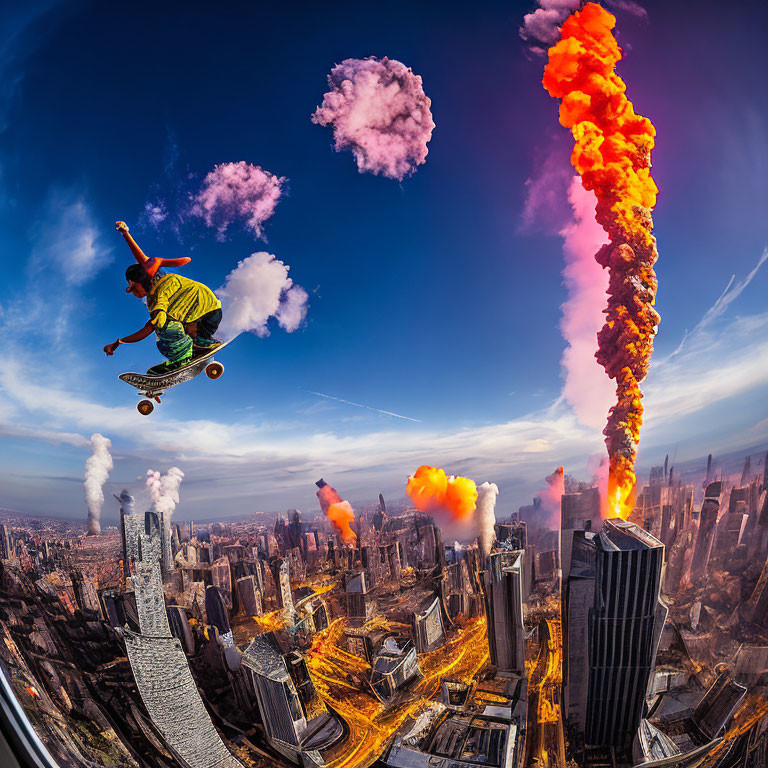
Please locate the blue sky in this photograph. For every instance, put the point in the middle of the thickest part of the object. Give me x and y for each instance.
(428, 298)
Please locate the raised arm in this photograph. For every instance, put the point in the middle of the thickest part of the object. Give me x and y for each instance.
(138, 254)
(150, 264)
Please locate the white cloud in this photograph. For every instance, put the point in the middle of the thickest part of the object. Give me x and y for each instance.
(67, 239)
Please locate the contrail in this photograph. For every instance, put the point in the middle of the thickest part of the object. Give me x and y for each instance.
(367, 407)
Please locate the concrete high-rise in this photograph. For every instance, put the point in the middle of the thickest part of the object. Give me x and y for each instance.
(707, 526)
(579, 512)
(504, 610)
(160, 666)
(612, 620)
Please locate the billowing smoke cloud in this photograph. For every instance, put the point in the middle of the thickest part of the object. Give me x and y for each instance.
(256, 290)
(587, 388)
(551, 497)
(338, 511)
(431, 490)
(612, 154)
(379, 111)
(486, 515)
(97, 469)
(164, 489)
(541, 28)
(237, 192)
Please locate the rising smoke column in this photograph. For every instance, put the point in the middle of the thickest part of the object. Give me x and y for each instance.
(431, 490)
(164, 489)
(551, 497)
(337, 510)
(97, 469)
(164, 492)
(378, 110)
(486, 516)
(612, 155)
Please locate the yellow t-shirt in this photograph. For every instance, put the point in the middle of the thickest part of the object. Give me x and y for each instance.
(174, 297)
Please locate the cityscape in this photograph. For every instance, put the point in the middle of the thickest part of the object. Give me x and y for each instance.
(312, 640)
(485, 483)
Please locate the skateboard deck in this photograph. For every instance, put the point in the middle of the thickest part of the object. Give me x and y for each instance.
(153, 386)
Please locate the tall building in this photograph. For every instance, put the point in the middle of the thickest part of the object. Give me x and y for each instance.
(707, 523)
(428, 628)
(504, 610)
(359, 606)
(160, 667)
(221, 576)
(281, 575)
(286, 726)
(612, 620)
(147, 580)
(249, 596)
(130, 526)
(5, 541)
(579, 512)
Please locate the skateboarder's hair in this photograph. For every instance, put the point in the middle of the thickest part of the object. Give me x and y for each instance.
(137, 274)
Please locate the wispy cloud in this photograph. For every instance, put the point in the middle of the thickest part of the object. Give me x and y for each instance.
(726, 298)
(367, 407)
(67, 239)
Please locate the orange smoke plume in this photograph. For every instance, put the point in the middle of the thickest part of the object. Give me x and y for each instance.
(342, 515)
(337, 510)
(431, 490)
(612, 154)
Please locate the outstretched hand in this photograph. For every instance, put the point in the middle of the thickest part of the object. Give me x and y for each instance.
(121, 226)
(110, 348)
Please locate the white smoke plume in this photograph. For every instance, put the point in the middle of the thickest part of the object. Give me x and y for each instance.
(257, 289)
(164, 489)
(97, 469)
(486, 516)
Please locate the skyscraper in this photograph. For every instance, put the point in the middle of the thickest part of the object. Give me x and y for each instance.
(579, 512)
(706, 533)
(504, 609)
(612, 620)
(130, 525)
(284, 718)
(160, 666)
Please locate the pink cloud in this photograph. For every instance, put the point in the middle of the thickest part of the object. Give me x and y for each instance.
(234, 192)
(541, 28)
(379, 111)
(588, 390)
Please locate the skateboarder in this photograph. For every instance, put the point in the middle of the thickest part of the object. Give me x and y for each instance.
(183, 314)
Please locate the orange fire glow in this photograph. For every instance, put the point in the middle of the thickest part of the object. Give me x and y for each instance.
(431, 490)
(338, 511)
(342, 515)
(612, 155)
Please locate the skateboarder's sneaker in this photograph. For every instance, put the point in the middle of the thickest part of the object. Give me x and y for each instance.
(204, 346)
(168, 366)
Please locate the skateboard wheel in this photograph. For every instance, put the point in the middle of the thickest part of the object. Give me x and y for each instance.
(145, 407)
(214, 370)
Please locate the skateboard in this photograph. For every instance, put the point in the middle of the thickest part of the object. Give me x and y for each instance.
(152, 387)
